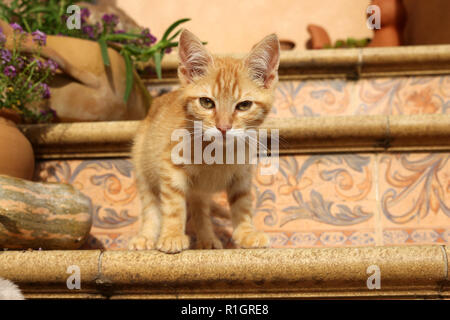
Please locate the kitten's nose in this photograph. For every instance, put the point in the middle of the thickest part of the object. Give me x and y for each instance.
(224, 128)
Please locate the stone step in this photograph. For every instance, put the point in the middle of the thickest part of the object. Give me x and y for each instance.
(414, 272)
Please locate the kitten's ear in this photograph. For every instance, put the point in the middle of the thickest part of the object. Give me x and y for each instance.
(194, 58)
(263, 61)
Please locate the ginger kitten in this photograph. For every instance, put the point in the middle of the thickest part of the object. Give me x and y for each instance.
(228, 95)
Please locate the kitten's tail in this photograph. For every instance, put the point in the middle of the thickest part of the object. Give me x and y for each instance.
(9, 291)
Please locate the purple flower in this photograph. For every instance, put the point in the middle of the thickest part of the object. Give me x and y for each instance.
(168, 50)
(111, 19)
(20, 63)
(85, 13)
(119, 31)
(45, 91)
(64, 18)
(10, 72)
(38, 63)
(48, 113)
(89, 31)
(16, 27)
(39, 37)
(148, 38)
(52, 65)
(5, 56)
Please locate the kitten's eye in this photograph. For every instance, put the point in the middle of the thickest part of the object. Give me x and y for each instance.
(244, 105)
(207, 103)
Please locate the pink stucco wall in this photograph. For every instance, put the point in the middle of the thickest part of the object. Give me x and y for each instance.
(235, 25)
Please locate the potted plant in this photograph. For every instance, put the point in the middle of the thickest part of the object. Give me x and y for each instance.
(99, 81)
(24, 82)
(393, 17)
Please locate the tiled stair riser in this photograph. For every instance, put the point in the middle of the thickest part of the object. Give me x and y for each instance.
(387, 96)
(313, 200)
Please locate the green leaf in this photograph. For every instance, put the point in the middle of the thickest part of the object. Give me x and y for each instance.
(175, 35)
(134, 49)
(121, 36)
(129, 75)
(104, 49)
(25, 24)
(39, 10)
(157, 60)
(173, 26)
(6, 8)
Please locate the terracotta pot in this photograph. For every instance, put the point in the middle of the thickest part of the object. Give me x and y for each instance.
(287, 45)
(319, 37)
(393, 18)
(16, 152)
(87, 90)
(75, 101)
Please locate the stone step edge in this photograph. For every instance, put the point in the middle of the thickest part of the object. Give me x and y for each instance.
(344, 63)
(308, 135)
(364, 272)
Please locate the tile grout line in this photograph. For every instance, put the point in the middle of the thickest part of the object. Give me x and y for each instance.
(103, 284)
(359, 63)
(355, 82)
(378, 226)
(99, 265)
(379, 239)
(388, 133)
(446, 261)
(445, 257)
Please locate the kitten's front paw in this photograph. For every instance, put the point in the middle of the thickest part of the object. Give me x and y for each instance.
(209, 243)
(172, 244)
(140, 243)
(250, 238)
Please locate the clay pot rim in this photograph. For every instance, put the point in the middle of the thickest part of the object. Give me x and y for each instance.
(10, 115)
(291, 44)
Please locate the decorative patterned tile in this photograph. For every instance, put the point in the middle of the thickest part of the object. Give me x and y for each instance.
(337, 210)
(362, 238)
(312, 98)
(403, 95)
(312, 201)
(415, 236)
(279, 239)
(395, 236)
(445, 235)
(415, 197)
(415, 189)
(319, 192)
(158, 90)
